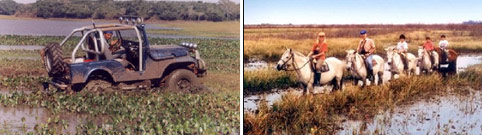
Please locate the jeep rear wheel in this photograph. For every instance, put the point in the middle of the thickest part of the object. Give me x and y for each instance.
(182, 80)
(54, 63)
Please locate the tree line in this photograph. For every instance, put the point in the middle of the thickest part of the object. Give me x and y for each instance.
(224, 10)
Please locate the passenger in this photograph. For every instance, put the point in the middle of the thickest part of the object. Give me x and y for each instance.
(443, 44)
(318, 52)
(113, 44)
(402, 48)
(366, 47)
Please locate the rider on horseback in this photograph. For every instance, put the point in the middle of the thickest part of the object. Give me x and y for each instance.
(366, 48)
(402, 48)
(318, 52)
(428, 46)
(443, 44)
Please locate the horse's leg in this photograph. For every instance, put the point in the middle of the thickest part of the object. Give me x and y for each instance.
(310, 88)
(380, 78)
(304, 88)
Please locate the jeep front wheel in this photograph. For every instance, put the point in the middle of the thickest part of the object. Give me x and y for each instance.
(182, 80)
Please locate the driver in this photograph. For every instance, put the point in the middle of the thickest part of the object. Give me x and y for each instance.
(113, 44)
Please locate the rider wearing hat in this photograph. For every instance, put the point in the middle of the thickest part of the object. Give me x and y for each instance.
(318, 52)
(366, 47)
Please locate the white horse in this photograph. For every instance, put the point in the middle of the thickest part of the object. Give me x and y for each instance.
(396, 64)
(424, 60)
(356, 64)
(295, 61)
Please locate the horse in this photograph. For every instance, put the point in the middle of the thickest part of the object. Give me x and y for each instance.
(447, 67)
(425, 64)
(396, 64)
(356, 64)
(295, 61)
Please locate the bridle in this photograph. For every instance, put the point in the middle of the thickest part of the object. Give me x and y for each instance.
(353, 66)
(292, 58)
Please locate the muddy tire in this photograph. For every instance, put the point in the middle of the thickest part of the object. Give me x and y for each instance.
(53, 61)
(182, 80)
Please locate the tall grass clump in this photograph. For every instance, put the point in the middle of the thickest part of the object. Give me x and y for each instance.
(320, 114)
(267, 79)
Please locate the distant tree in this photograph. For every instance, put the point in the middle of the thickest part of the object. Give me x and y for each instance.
(8, 7)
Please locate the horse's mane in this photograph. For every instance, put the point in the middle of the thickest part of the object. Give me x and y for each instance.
(298, 53)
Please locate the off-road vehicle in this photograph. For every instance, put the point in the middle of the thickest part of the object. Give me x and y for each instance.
(130, 62)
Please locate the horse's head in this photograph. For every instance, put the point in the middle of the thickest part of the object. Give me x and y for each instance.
(421, 51)
(286, 60)
(350, 59)
(390, 52)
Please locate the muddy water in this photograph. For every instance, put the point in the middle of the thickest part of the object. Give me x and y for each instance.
(448, 114)
(251, 101)
(21, 47)
(21, 119)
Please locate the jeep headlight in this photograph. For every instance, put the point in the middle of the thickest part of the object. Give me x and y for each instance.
(189, 45)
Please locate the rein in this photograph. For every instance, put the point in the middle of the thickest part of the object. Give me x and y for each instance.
(292, 58)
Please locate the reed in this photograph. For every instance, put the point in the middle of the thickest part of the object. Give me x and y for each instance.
(321, 114)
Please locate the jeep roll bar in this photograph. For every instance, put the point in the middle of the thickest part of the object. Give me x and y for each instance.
(100, 29)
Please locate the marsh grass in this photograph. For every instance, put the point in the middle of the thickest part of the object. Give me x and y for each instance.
(268, 43)
(319, 114)
(267, 79)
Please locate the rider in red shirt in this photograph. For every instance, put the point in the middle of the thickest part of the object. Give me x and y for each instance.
(318, 52)
(428, 46)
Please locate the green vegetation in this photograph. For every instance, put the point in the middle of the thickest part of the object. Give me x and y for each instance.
(321, 114)
(138, 111)
(262, 80)
(109, 9)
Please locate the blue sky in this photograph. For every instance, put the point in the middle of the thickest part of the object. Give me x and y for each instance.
(361, 11)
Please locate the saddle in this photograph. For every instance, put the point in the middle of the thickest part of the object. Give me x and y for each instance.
(323, 68)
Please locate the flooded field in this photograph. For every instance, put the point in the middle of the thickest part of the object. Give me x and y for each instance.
(251, 101)
(448, 114)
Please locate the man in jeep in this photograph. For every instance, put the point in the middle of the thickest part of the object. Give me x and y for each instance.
(114, 45)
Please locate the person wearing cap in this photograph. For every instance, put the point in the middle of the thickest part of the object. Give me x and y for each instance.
(402, 48)
(112, 43)
(443, 44)
(428, 46)
(366, 47)
(318, 52)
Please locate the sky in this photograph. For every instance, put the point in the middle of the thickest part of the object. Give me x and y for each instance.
(361, 11)
(214, 1)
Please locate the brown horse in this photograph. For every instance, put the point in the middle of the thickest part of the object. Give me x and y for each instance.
(449, 67)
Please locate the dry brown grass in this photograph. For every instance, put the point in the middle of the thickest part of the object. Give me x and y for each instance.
(320, 114)
(268, 42)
